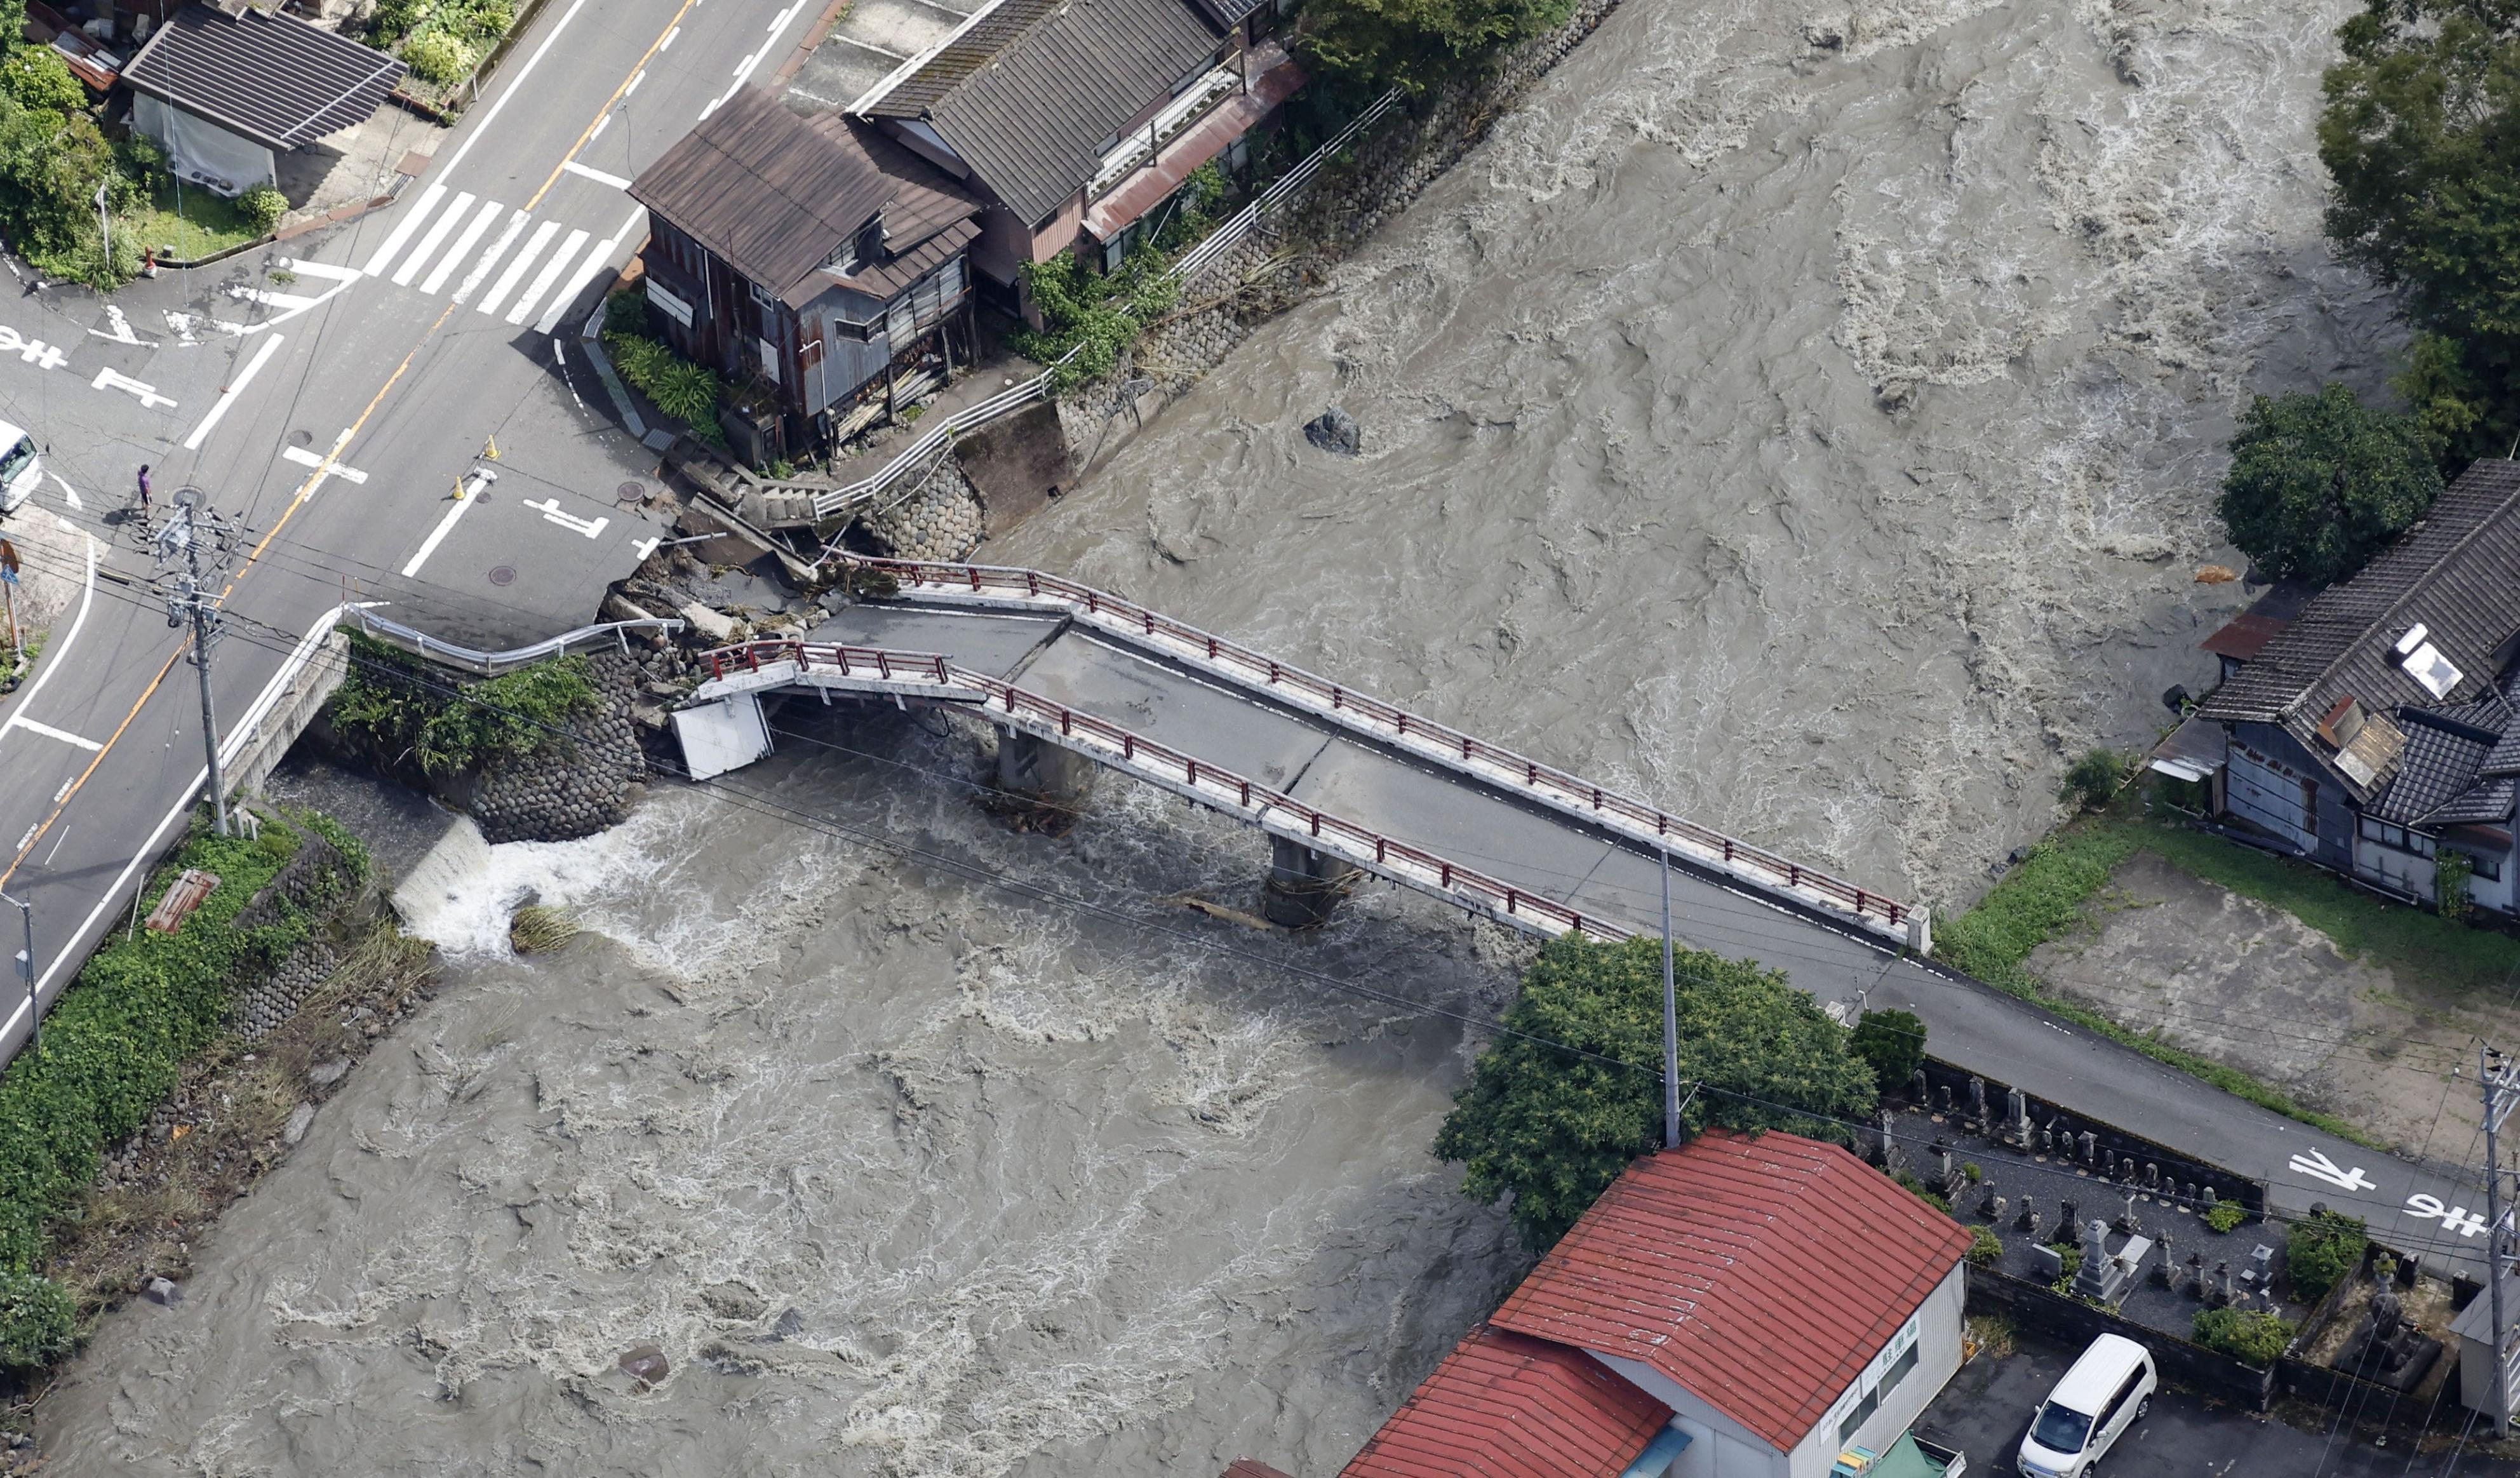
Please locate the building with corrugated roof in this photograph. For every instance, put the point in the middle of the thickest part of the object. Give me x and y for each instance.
(1765, 1307)
(2380, 725)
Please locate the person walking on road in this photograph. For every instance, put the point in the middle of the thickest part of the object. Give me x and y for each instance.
(144, 492)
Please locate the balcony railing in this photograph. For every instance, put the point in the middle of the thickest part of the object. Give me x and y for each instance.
(1144, 142)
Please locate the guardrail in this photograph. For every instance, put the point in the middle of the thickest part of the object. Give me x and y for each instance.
(1189, 265)
(492, 663)
(1366, 714)
(1185, 775)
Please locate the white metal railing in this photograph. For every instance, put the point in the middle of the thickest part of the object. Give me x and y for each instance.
(491, 663)
(1189, 265)
(1145, 143)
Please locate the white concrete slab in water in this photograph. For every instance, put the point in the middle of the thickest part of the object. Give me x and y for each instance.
(727, 734)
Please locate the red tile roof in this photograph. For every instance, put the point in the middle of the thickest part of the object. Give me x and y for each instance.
(1759, 1274)
(1505, 1407)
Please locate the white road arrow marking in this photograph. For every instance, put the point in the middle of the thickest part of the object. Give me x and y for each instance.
(107, 380)
(647, 547)
(323, 464)
(2319, 1167)
(118, 329)
(549, 509)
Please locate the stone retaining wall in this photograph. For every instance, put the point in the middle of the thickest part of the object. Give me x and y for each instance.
(573, 789)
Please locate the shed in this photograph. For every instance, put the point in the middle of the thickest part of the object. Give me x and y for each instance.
(2473, 1329)
(228, 88)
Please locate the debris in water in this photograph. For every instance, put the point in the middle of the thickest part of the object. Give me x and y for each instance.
(538, 929)
(1334, 430)
(2216, 574)
(163, 1291)
(644, 1363)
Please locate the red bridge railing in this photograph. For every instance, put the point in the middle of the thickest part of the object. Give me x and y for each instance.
(1547, 782)
(1162, 761)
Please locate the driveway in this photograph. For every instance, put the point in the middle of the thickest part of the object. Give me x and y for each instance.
(1986, 1409)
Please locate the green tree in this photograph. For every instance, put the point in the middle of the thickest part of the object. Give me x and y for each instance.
(1416, 44)
(2320, 482)
(1555, 1129)
(1892, 1044)
(2423, 143)
(37, 76)
(2321, 1249)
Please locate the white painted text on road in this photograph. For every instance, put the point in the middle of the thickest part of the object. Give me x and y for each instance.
(2319, 1167)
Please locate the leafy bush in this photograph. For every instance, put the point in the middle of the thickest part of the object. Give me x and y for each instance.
(2251, 1336)
(1917, 1187)
(262, 206)
(2095, 778)
(2321, 1249)
(676, 386)
(37, 76)
(1416, 44)
(1097, 316)
(437, 56)
(51, 164)
(2452, 869)
(1894, 1043)
(38, 1321)
(1970, 1172)
(2320, 484)
(2227, 1216)
(1556, 1130)
(626, 312)
(1986, 1249)
(402, 711)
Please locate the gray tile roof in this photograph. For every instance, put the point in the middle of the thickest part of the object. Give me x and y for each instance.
(2457, 572)
(776, 196)
(2439, 766)
(1027, 93)
(271, 77)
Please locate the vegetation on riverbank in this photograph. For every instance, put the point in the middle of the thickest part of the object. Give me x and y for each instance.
(1366, 46)
(403, 712)
(1097, 316)
(2043, 897)
(116, 1044)
(1555, 1128)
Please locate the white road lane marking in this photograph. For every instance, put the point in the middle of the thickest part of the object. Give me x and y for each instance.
(549, 275)
(64, 734)
(60, 652)
(182, 324)
(107, 380)
(645, 546)
(667, 44)
(118, 329)
(637, 77)
(435, 236)
(490, 258)
(462, 248)
(227, 394)
(743, 72)
(615, 181)
(269, 298)
(514, 85)
(70, 494)
(403, 229)
(600, 124)
(548, 508)
(598, 260)
(305, 268)
(524, 258)
(473, 485)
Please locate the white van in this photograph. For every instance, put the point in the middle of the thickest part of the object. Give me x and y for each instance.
(2089, 1410)
(20, 467)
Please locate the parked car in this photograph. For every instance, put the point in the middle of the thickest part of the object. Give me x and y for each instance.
(20, 467)
(2109, 1387)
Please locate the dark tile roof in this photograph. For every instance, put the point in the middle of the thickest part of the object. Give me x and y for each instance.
(2457, 572)
(776, 196)
(271, 77)
(2486, 801)
(899, 271)
(1028, 92)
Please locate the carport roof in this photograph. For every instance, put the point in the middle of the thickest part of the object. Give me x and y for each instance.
(1760, 1275)
(273, 79)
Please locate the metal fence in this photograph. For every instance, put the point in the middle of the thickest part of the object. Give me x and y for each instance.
(938, 437)
(491, 663)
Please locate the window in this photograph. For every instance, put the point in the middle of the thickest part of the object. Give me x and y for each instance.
(1897, 1371)
(2310, 808)
(1890, 1366)
(2483, 865)
(761, 295)
(1855, 1420)
(770, 360)
(2398, 838)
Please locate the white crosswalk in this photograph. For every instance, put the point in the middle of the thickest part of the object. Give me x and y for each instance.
(445, 234)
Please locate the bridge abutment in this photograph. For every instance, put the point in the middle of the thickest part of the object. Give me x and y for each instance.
(1038, 770)
(1303, 885)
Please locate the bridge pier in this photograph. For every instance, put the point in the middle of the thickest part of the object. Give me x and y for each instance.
(1038, 770)
(1303, 885)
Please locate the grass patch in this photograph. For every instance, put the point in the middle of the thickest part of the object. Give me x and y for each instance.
(2043, 897)
(538, 929)
(203, 224)
(404, 712)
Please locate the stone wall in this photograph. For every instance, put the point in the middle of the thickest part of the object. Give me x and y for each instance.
(576, 788)
(938, 518)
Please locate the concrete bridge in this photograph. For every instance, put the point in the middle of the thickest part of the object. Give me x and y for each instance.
(1346, 785)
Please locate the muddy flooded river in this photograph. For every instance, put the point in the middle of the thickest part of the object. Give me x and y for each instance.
(1804, 416)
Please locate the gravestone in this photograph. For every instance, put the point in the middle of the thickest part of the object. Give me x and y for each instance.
(2016, 1117)
(2047, 1263)
(2091, 1148)
(1977, 1098)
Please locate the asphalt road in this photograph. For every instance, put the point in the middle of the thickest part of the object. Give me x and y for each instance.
(2411, 1207)
(1986, 1410)
(327, 394)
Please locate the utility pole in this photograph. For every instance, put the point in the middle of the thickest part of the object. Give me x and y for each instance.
(1670, 1022)
(2494, 1073)
(27, 969)
(195, 523)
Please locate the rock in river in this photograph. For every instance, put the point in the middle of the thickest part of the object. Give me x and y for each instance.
(1334, 430)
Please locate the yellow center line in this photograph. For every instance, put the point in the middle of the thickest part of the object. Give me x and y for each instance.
(588, 132)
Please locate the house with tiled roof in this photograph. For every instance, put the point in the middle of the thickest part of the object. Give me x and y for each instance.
(2380, 725)
(1765, 1307)
(1081, 120)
